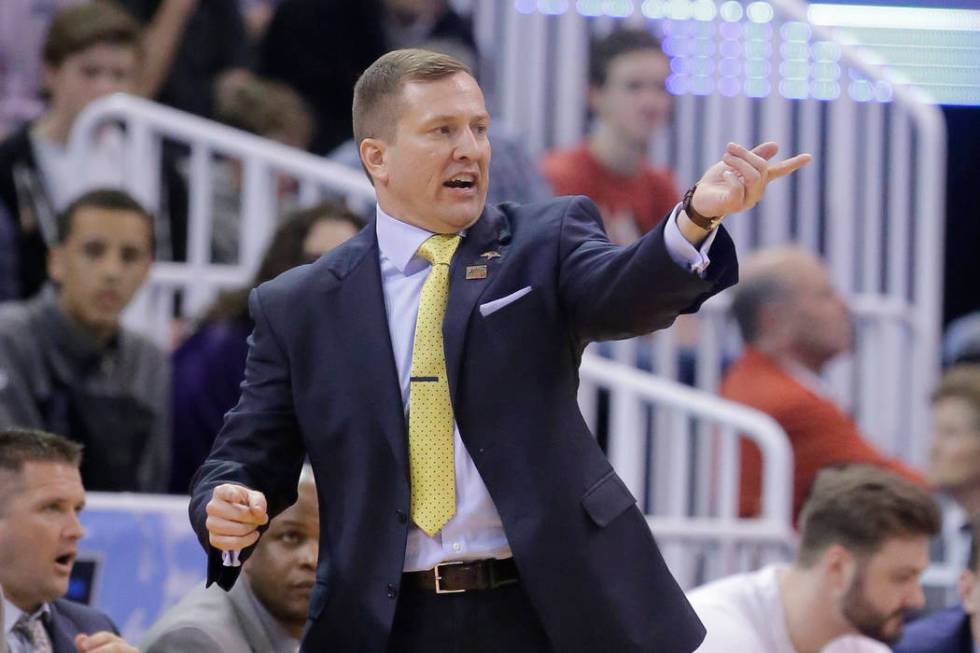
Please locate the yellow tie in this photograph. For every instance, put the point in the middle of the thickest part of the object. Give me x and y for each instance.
(430, 412)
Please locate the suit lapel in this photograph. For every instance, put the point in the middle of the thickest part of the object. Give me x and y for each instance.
(364, 322)
(484, 236)
(58, 630)
(253, 631)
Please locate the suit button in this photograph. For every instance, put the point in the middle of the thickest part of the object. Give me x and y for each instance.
(402, 517)
(392, 591)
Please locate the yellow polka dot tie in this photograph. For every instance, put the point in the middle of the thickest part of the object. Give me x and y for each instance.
(430, 411)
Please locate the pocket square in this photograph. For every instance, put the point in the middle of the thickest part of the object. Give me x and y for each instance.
(497, 304)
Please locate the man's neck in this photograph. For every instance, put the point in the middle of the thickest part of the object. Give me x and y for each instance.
(617, 153)
(791, 357)
(54, 127)
(808, 611)
(102, 335)
(26, 606)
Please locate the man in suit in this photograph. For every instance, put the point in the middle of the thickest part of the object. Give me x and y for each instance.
(266, 612)
(793, 323)
(955, 629)
(488, 519)
(39, 533)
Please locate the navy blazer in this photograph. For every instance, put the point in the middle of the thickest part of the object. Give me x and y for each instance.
(321, 380)
(69, 619)
(946, 631)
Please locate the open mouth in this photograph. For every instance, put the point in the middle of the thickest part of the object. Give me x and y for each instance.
(65, 560)
(466, 181)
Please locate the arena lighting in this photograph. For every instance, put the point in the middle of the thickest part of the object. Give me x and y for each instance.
(894, 17)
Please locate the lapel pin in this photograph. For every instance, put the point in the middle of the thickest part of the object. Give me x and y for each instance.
(476, 272)
(490, 255)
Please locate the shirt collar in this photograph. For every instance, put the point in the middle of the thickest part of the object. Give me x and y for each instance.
(807, 378)
(399, 241)
(11, 613)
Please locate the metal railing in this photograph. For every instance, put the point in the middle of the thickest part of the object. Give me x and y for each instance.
(677, 449)
(262, 161)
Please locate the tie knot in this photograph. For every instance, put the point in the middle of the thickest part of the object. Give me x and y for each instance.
(439, 249)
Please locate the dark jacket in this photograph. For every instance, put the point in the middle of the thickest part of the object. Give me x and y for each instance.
(946, 631)
(321, 380)
(69, 619)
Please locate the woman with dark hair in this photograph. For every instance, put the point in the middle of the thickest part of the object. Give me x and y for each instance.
(208, 368)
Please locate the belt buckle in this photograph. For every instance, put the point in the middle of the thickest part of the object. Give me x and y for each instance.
(438, 578)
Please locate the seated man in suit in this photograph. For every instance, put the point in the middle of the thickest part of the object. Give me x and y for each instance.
(39, 533)
(864, 542)
(263, 613)
(956, 629)
(793, 323)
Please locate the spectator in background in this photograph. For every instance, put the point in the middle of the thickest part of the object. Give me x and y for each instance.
(412, 23)
(91, 50)
(320, 48)
(864, 543)
(23, 25)
(266, 610)
(68, 366)
(793, 323)
(264, 108)
(210, 366)
(955, 629)
(627, 73)
(954, 465)
(39, 533)
(189, 44)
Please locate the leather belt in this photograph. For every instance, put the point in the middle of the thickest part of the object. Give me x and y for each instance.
(455, 577)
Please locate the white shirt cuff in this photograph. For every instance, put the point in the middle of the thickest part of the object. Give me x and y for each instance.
(230, 558)
(683, 252)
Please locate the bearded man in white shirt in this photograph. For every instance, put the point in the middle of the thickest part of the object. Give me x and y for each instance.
(864, 543)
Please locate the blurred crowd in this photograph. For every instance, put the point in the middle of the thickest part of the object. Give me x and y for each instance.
(73, 257)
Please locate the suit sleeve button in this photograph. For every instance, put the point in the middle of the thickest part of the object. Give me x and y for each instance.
(392, 591)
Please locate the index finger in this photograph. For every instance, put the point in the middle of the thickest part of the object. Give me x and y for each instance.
(789, 165)
(95, 641)
(237, 494)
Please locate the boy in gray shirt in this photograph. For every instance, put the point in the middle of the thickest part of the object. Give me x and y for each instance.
(67, 365)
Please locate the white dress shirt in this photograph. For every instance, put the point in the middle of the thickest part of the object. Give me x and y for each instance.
(475, 531)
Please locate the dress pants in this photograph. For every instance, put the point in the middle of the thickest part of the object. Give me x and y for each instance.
(483, 621)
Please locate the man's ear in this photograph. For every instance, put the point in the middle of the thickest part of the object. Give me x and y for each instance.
(593, 96)
(48, 74)
(372, 151)
(56, 263)
(839, 567)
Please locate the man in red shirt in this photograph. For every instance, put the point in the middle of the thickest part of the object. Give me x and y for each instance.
(627, 72)
(793, 323)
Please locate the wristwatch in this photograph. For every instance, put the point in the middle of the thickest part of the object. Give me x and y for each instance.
(702, 221)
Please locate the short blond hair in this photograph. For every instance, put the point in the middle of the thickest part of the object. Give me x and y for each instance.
(375, 110)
